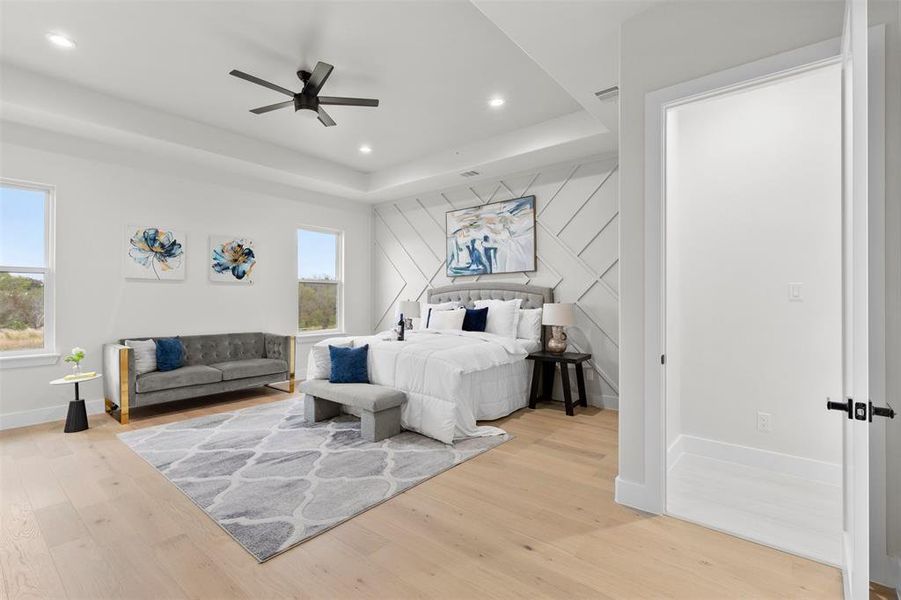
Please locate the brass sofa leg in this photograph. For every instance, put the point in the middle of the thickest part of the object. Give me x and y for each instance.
(122, 409)
(291, 366)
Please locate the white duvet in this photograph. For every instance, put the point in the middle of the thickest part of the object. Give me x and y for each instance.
(451, 378)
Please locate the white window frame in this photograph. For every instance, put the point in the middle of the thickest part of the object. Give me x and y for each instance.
(339, 282)
(48, 354)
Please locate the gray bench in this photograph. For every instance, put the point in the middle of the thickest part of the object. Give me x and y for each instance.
(379, 406)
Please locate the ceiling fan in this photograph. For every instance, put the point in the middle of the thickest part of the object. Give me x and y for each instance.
(308, 98)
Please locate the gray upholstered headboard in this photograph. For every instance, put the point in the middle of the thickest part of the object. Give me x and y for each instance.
(533, 296)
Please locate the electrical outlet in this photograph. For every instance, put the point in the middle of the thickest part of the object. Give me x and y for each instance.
(764, 422)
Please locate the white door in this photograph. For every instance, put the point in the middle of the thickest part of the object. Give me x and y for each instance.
(855, 363)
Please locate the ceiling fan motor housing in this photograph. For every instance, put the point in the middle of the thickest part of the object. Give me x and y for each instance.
(305, 102)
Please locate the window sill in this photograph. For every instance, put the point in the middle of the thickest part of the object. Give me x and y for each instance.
(318, 335)
(28, 360)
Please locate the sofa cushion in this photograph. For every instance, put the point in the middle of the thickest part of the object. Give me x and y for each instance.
(181, 377)
(252, 367)
(224, 347)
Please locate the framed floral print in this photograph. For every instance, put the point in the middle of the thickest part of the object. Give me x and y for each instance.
(231, 259)
(153, 252)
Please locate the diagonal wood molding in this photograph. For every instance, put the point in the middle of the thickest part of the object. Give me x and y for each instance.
(577, 245)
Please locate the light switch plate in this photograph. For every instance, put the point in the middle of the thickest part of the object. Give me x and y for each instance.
(795, 292)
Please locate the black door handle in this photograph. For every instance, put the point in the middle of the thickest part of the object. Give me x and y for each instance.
(881, 411)
(845, 407)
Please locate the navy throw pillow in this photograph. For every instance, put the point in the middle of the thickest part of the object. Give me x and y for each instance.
(475, 319)
(349, 365)
(170, 354)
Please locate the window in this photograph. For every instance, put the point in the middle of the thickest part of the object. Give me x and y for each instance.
(26, 277)
(319, 280)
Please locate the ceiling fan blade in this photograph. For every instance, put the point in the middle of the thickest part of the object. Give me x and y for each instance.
(335, 100)
(325, 119)
(318, 78)
(262, 82)
(271, 107)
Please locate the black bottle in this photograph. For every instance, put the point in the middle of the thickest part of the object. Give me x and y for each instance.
(400, 329)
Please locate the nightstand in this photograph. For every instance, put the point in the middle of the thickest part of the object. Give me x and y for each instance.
(547, 363)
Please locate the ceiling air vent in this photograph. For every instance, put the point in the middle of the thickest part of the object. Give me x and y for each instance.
(470, 173)
(609, 94)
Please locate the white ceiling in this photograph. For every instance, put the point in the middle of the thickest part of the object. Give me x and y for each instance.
(151, 74)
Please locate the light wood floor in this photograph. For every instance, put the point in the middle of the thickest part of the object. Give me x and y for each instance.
(83, 517)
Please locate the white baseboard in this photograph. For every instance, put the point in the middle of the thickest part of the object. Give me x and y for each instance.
(795, 466)
(45, 415)
(634, 494)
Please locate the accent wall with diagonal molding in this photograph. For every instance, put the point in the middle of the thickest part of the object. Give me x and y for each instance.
(577, 205)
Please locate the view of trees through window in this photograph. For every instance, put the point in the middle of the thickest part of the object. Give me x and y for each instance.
(24, 268)
(21, 311)
(318, 280)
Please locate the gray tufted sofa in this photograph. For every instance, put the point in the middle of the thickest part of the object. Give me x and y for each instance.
(213, 364)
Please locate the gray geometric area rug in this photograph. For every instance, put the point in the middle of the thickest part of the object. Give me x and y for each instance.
(273, 480)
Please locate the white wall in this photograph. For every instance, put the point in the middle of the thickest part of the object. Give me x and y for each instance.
(669, 44)
(577, 247)
(753, 202)
(95, 201)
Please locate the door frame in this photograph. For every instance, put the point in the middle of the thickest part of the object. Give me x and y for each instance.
(652, 495)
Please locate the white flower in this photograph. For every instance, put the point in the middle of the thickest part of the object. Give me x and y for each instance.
(77, 350)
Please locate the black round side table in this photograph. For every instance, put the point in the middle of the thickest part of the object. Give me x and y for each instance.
(77, 418)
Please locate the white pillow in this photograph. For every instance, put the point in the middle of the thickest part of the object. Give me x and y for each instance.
(529, 327)
(503, 316)
(145, 355)
(425, 307)
(447, 319)
(320, 364)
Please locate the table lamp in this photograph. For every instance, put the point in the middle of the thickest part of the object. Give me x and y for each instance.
(557, 316)
(409, 309)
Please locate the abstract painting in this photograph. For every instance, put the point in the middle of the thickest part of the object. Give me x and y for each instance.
(491, 238)
(232, 259)
(154, 253)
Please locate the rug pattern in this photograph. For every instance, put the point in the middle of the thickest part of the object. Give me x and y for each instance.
(272, 480)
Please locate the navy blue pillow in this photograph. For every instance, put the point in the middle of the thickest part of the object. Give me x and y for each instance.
(349, 365)
(475, 319)
(170, 354)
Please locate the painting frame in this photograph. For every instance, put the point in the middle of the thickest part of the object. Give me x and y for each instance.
(162, 259)
(509, 256)
(231, 268)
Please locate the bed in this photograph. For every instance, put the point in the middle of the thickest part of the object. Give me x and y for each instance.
(453, 379)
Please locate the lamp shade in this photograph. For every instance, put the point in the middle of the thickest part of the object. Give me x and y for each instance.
(409, 309)
(558, 314)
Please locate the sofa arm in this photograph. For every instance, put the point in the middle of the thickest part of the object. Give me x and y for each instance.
(282, 347)
(118, 380)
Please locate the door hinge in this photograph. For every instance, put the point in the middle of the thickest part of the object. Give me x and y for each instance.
(663, 359)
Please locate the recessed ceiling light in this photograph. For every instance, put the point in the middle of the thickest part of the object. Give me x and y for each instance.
(58, 39)
(365, 149)
(496, 102)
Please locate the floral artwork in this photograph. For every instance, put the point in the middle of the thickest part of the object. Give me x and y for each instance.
(492, 238)
(154, 253)
(232, 259)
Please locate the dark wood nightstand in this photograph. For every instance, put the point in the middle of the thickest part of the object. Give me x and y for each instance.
(547, 361)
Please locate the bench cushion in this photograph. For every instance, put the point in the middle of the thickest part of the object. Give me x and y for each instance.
(251, 367)
(374, 398)
(176, 378)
